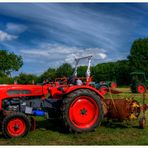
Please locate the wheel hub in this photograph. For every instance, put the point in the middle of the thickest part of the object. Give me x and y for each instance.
(83, 111)
(141, 89)
(16, 127)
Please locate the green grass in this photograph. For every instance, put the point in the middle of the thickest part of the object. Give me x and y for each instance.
(50, 132)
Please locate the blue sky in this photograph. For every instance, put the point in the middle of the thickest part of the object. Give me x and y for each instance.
(49, 34)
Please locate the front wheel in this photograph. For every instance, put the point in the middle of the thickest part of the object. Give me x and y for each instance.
(15, 125)
(82, 111)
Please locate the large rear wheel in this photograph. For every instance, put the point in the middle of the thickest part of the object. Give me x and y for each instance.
(82, 111)
(15, 125)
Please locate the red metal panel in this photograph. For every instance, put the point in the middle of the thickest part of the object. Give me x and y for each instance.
(36, 90)
(75, 87)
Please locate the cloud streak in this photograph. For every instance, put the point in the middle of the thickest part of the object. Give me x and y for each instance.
(71, 26)
(15, 28)
(4, 36)
(53, 33)
(61, 53)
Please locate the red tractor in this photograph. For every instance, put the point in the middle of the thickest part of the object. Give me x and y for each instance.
(79, 105)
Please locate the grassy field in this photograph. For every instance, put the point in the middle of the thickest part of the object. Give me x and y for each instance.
(51, 133)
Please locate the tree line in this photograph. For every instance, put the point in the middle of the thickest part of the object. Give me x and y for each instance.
(118, 71)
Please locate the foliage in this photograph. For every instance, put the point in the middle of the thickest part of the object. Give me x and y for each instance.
(50, 74)
(64, 70)
(9, 62)
(81, 71)
(122, 72)
(139, 55)
(4, 79)
(104, 71)
(26, 78)
(118, 71)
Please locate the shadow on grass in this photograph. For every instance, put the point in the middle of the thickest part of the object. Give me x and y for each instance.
(118, 124)
(56, 125)
(51, 124)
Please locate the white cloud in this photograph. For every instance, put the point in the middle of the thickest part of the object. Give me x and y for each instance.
(35, 53)
(15, 28)
(74, 25)
(57, 54)
(4, 36)
(102, 55)
(97, 53)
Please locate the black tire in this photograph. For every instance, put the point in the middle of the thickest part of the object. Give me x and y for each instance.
(133, 90)
(70, 100)
(25, 125)
(133, 86)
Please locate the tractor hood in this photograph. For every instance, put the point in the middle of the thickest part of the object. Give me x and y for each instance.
(8, 91)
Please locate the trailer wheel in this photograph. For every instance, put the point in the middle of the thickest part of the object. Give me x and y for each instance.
(141, 88)
(82, 111)
(142, 122)
(113, 85)
(15, 125)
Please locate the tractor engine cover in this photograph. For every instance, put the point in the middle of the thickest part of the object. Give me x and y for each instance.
(122, 109)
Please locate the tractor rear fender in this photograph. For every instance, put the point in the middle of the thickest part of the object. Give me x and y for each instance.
(74, 88)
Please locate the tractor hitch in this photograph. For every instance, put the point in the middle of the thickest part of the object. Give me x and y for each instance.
(144, 107)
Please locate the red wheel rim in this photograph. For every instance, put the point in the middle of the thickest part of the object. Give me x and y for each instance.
(113, 85)
(16, 127)
(103, 90)
(83, 112)
(141, 89)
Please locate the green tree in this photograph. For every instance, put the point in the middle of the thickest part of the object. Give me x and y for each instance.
(9, 62)
(4, 79)
(26, 78)
(64, 70)
(82, 71)
(138, 57)
(50, 74)
(104, 72)
(122, 72)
